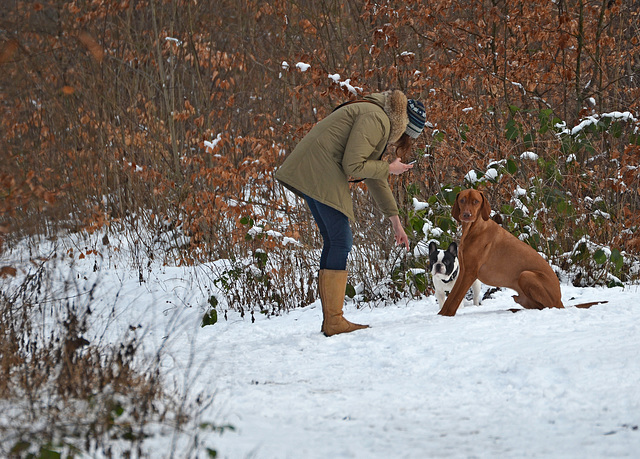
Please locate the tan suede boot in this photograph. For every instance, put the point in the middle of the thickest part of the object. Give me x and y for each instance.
(332, 285)
(322, 300)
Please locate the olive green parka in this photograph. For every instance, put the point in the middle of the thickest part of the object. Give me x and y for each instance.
(348, 143)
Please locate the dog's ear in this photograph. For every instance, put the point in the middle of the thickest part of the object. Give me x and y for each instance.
(455, 210)
(432, 247)
(485, 211)
(453, 249)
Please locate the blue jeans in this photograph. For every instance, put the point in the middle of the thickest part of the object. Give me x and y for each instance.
(336, 234)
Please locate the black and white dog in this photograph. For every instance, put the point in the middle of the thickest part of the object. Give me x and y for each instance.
(444, 271)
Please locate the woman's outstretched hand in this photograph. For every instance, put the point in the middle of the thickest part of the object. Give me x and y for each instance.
(397, 167)
(399, 233)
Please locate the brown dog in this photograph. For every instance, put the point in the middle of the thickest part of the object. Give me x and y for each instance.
(496, 257)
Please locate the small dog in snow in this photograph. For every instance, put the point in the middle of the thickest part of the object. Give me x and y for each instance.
(444, 271)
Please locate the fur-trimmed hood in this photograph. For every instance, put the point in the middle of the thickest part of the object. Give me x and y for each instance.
(394, 104)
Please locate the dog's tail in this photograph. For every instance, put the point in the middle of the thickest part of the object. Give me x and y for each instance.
(588, 305)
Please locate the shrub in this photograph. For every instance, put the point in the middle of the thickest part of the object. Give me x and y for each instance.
(63, 395)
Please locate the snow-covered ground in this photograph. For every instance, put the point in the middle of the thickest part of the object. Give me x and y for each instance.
(486, 383)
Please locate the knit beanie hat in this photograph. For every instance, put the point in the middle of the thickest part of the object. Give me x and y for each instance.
(417, 117)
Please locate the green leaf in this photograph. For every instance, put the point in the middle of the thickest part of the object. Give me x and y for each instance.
(46, 453)
(350, 291)
(413, 190)
(614, 283)
(261, 258)
(416, 224)
(506, 209)
(463, 132)
(444, 224)
(616, 129)
(544, 115)
(420, 281)
(512, 166)
(118, 410)
(616, 259)
(581, 252)
(634, 139)
(450, 195)
(511, 130)
(600, 257)
(438, 137)
(534, 241)
(563, 207)
(529, 139)
(210, 318)
(567, 145)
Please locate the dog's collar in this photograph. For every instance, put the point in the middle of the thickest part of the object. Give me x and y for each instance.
(452, 277)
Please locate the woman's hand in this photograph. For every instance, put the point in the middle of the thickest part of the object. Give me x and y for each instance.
(397, 167)
(400, 235)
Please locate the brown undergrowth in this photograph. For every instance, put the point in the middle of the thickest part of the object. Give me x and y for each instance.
(64, 396)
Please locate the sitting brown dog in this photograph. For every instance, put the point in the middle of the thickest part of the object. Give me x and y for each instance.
(496, 257)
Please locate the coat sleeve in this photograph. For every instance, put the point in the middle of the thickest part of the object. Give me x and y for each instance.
(368, 134)
(382, 195)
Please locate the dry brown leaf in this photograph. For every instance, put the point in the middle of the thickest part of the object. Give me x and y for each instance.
(92, 46)
(8, 50)
(7, 271)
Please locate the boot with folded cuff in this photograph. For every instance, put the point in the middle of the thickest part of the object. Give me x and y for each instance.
(332, 285)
